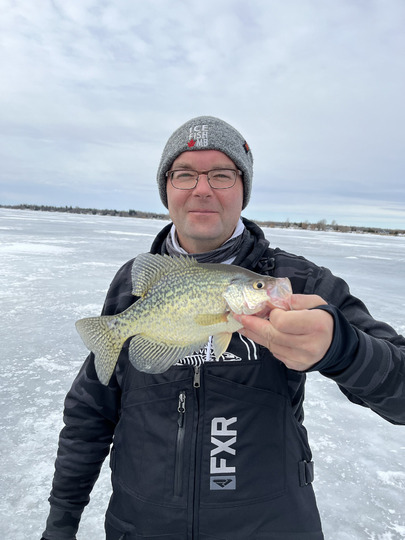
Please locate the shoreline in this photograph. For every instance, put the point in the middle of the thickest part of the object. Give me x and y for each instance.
(320, 225)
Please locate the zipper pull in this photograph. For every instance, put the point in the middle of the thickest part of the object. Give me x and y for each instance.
(197, 377)
(181, 408)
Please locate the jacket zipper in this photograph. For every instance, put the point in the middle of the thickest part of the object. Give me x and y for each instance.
(197, 471)
(181, 430)
(197, 377)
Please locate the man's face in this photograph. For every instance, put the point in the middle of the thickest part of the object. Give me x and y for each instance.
(204, 217)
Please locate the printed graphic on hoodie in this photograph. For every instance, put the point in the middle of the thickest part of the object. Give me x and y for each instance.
(206, 354)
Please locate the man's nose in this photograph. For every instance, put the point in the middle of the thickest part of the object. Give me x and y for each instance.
(203, 186)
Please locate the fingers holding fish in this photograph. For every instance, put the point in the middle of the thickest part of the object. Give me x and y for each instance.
(302, 338)
(299, 338)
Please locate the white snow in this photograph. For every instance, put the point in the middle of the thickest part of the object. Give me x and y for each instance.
(33, 248)
(392, 478)
(56, 268)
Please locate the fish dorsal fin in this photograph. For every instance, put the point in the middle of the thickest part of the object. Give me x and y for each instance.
(153, 357)
(220, 343)
(148, 269)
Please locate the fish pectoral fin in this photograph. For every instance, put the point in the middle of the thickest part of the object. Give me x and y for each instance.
(220, 343)
(207, 319)
(154, 357)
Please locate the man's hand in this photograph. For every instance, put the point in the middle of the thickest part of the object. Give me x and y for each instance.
(299, 338)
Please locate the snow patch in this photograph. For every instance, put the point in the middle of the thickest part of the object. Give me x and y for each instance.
(392, 478)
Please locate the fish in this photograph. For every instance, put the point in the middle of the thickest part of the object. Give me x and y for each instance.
(181, 303)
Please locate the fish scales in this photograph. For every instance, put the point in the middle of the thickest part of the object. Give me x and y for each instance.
(182, 307)
(181, 303)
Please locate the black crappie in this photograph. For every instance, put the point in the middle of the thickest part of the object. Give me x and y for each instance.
(181, 304)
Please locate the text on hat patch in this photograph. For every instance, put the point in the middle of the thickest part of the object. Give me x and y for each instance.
(198, 136)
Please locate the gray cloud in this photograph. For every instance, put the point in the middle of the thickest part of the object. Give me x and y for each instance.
(91, 90)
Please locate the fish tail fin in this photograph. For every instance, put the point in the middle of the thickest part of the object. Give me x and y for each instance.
(103, 336)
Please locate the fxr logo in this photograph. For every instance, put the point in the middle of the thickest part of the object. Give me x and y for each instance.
(220, 455)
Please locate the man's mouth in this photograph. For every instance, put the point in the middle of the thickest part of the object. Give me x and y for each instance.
(202, 211)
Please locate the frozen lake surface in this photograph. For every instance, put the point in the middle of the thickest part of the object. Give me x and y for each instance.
(55, 268)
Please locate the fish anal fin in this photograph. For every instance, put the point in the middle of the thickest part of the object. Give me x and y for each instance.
(220, 343)
(152, 357)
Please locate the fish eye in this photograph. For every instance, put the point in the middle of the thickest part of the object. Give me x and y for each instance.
(258, 285)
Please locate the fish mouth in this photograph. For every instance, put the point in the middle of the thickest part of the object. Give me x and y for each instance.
(280, 295)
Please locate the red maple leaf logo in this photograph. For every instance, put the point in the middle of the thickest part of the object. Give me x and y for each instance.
(191, 143)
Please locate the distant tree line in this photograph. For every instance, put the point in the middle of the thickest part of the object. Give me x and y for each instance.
(91, 211)
(321, 225)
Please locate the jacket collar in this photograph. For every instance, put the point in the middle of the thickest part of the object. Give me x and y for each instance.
(251, 254)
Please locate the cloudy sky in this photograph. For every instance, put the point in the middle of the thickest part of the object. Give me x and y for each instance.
(91, 90)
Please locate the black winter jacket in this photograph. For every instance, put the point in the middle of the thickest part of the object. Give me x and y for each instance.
(218, 452)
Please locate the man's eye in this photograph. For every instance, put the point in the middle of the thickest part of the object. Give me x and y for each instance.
(183, 175)
(221, 175)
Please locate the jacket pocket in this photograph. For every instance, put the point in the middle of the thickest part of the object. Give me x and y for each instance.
(180, 443)
(116, 529)
(152, 444)
(243, 450)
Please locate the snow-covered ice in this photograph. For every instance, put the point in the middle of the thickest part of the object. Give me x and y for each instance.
(55, 268)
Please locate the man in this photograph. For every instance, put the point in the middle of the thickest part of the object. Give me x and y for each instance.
(214, 448)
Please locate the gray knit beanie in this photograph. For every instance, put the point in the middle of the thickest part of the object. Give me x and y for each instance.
(207, 133)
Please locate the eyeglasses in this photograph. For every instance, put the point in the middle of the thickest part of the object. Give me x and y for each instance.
(217, 178)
